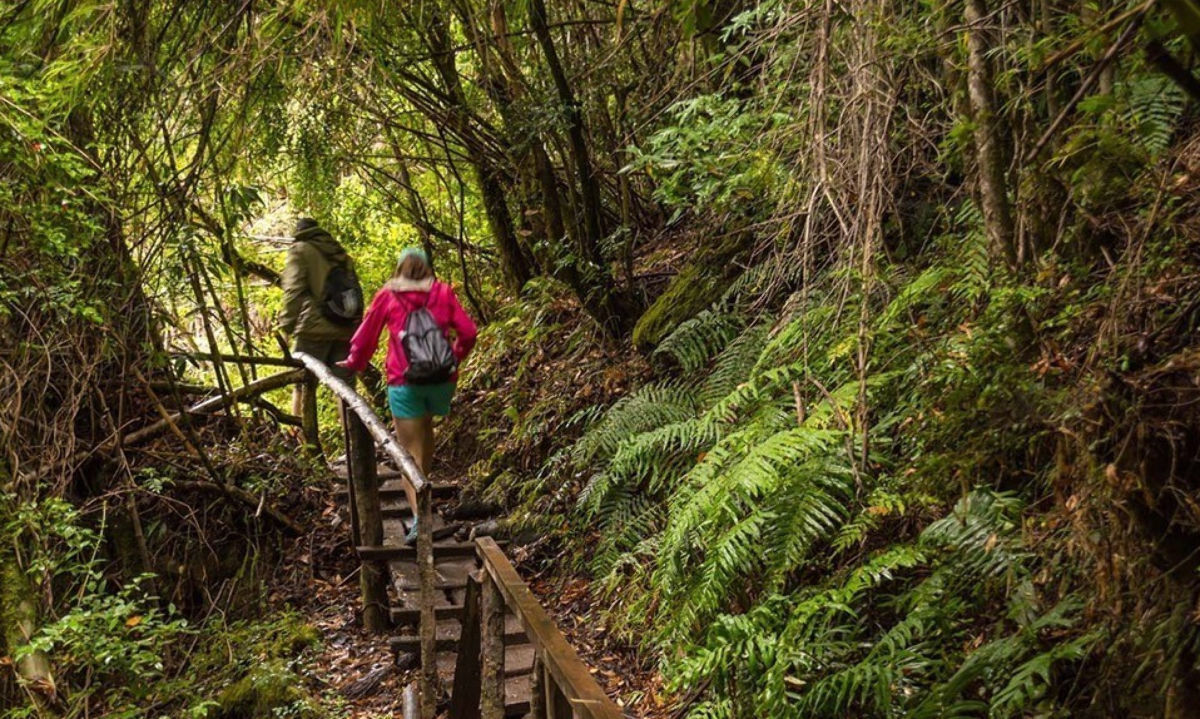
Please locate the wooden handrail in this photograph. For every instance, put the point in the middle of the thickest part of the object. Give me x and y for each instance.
(410, 472)
(570, 689)
(562, 664)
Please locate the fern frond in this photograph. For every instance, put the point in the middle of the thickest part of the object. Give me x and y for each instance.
(649, 407)
(696, 341)
(733, 365)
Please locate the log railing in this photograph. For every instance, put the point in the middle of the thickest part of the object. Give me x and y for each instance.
(561, 686)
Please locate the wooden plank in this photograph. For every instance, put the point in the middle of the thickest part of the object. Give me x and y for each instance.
(563, 664)
(395, 489)
(398, 511)
(491, 692)
(412, 615)
(406, 577)
(437, 587)
(455, 550)
(407, 643)
(517, 696)
(448, 638)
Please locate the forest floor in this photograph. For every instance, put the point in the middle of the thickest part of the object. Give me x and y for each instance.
(350, 665)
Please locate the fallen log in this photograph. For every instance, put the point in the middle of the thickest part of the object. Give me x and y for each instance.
(257, 387)
(207, 406)
(473, 509)
(275, 413)
(239, 359)
(368, 685)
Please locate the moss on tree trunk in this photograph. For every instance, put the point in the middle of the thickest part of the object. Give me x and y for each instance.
(19, 618)
(695, 288)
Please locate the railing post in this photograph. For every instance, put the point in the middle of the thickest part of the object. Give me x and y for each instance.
(557, 706)
(373, 577)
(308, 414)
(491, 609)
(355, 535)
(537, 688)
(427, 576)
(464, 700)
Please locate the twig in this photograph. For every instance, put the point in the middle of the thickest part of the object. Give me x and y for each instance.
(1075, 46)
(1086, 85)
(237, 493)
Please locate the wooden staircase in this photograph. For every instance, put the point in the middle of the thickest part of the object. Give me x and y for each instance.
(484, 646)
(459, 572)
(455, 563)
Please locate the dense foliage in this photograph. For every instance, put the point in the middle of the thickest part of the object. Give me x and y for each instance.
(895, 471)
(898, 300)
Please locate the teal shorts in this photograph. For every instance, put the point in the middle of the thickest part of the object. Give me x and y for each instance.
(409, 401)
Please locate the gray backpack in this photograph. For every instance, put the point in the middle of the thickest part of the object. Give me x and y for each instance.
(430, 357)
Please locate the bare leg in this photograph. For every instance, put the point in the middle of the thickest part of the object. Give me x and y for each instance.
(297, 400)
(409, 432)
(427, 439)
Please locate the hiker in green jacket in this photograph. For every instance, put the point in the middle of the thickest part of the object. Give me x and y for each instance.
(322, 299)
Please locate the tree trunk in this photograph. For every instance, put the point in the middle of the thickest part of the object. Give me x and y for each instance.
(18, 622)
(989, 137)
(589, 188)
(614, 308)
(515, 262)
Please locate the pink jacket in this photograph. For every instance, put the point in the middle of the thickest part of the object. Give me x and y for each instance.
(390, 308)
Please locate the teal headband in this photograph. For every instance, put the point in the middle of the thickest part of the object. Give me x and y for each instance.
(413, 252)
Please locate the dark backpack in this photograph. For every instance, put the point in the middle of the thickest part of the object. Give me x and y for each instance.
(342, 302)
(430, 358)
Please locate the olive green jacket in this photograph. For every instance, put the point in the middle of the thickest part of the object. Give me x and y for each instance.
(309, 260)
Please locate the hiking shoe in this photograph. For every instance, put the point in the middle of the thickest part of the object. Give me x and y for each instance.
(411, 538)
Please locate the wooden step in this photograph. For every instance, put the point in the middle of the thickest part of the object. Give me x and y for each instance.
(448, 640)
(438, 587)
(516, 696)
(518, 662)
(412, 616)
(447, 550)
(451, 628)
(395, 488)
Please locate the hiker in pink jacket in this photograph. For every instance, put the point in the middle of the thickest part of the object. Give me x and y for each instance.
(415, 393)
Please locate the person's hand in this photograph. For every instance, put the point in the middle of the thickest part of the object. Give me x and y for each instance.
(344, 364)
